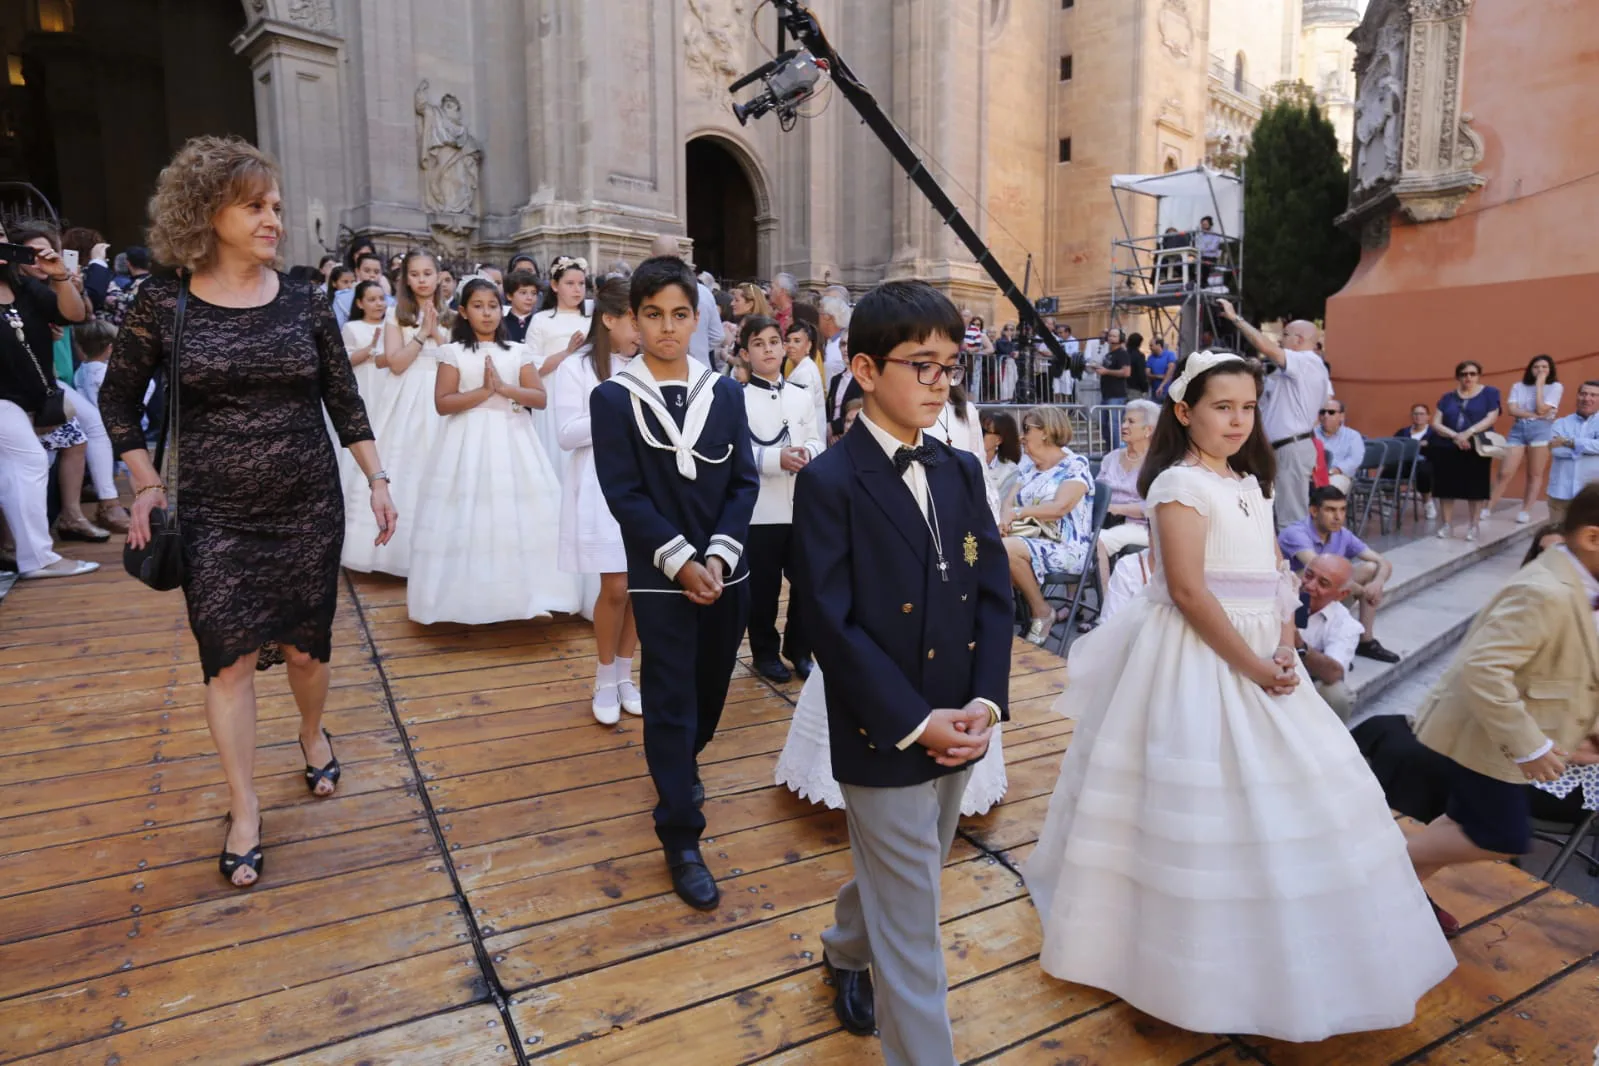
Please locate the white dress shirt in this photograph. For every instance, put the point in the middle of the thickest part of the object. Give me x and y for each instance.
(833, 360)
(708, 332)
(1346, 449)
(1294, 395)
(1333, 632)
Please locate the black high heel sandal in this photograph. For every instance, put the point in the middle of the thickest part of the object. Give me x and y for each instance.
(329, 773)
(254, 858)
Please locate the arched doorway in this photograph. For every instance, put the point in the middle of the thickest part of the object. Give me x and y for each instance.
(722, 206)
(96, 97)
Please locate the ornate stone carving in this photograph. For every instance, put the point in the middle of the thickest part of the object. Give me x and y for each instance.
(1379, 110)
(312, 14)
(449, 157)
(1414, 150)
(713, 44)
(1176, 29)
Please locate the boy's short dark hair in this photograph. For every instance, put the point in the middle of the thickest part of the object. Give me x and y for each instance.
(94, 337)
(657, 273)
(138, 257)
(752, 326)
(897, 312)
(518, 280)
(364, 256)
(1583, 510)
(1327, 494)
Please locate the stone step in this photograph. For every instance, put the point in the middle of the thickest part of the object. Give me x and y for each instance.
(1427, 561)
(1434, 615)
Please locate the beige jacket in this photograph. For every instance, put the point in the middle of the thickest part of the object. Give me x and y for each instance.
(1528, 669)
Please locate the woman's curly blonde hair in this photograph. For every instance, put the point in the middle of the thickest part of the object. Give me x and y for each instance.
(207, 175)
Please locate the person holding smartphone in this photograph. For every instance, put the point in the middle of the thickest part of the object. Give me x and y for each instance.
(29, 307)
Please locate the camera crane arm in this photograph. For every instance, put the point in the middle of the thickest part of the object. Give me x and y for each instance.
(805, 29)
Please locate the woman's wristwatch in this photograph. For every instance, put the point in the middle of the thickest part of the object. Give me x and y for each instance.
(381, 475)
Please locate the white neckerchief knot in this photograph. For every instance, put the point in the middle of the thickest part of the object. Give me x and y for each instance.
(637, 379)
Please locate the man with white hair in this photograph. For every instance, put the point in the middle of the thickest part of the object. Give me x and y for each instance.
(1289, 406)
(833, 321)
(708, 333)
(784, 288)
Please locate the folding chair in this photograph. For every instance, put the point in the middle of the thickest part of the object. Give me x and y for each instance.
(1367, 486)
(1068, 589)
(1405, 454)
(1570, 839)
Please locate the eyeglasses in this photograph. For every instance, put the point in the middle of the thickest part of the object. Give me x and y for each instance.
(929, 373)
(1331, 411)
(1467, 374)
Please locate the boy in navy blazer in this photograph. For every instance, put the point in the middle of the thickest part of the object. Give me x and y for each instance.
(672, 453)
(905, 594)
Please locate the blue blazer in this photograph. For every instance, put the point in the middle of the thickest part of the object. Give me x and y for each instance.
(654, 504)
(893, 639)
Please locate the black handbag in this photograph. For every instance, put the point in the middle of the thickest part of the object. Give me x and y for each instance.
(162, 562)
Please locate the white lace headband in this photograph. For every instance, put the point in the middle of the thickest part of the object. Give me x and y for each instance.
(1196, 365)
(564, 261)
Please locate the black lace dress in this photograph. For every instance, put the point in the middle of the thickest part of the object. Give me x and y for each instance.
(258, 482)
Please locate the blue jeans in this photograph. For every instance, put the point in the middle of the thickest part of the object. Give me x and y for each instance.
(1110, 423)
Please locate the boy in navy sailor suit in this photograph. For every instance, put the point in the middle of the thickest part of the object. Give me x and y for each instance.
(905, 593)
(672, 452)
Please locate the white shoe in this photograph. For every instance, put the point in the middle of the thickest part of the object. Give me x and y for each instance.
(632, 702)
(62, 568)
(1432, 509)
(1484, 514)
(607, 710)
(1038, 631)
(1444, 532)
(1523, 518)
(1471, 534)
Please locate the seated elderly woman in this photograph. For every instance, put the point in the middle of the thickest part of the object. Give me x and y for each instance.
(1125, 526)
(1049, 516)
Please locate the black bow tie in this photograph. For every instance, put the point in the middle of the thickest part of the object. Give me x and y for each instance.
(925, 454)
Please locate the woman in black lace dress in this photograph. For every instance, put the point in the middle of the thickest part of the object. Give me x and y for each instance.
(257, 484)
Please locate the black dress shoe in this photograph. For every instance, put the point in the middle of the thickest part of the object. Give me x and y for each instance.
(1370, 649)
(697, 793)
(802, 669)
(773, 670)
(691, 880)
(852, 998)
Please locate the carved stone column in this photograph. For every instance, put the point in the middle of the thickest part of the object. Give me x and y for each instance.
(293, 49)
(1414, 149)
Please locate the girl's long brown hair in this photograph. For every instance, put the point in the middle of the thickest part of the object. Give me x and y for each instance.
(407, 311)
(1170, 442)
(609, 299)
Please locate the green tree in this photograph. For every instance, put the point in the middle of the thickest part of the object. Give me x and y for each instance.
(1295, 185)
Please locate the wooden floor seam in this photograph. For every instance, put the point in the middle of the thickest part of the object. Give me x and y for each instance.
(486, 969)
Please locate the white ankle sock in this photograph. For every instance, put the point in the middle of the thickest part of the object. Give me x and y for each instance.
(624, 670)
(604, 674)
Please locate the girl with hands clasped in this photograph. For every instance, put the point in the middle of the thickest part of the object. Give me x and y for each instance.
(1214, 823)
(488, 499)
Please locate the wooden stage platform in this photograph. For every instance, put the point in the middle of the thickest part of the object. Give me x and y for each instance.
(485, 888)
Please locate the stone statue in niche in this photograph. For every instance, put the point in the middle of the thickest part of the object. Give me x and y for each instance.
(448, 154)
(713, 44)
(1379, 112)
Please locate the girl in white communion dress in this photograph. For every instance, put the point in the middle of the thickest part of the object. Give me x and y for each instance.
(1217, 852)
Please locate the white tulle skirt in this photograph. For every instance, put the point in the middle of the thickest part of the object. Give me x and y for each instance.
(405, 425)
(483, 545)
(360, 528)
(1221, 858)
(806, 765)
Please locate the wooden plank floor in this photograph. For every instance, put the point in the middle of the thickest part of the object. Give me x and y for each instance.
(485, 888)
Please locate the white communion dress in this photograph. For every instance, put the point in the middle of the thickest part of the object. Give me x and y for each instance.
(1219, 857)
(404, 423)
(548, 333)
(590, 538)
(483, 541)
(372, 381)
(805, 766)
